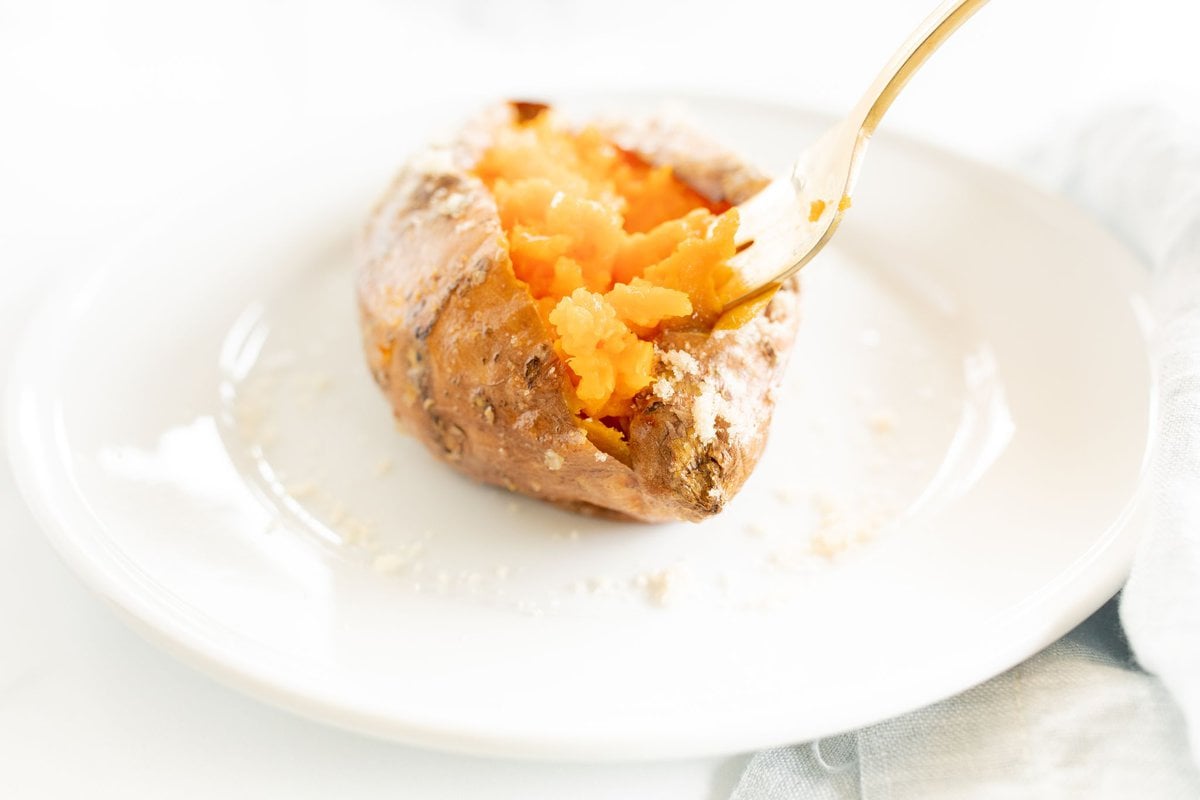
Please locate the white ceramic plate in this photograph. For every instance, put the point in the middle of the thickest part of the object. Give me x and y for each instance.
(953, 478)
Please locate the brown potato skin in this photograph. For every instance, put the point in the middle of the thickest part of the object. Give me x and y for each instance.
(455, 342)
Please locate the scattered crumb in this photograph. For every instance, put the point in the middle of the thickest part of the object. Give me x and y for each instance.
(405, 557)
(321, 382)
(844, 203)
(785, 494)
(827, 508)
(553, 461)
(301, 490)
(822, 502)
(268, 435)
(383, 466)
(866, 533)
(664, 586)
(529, 608)
(388, 563)
(828, 546)
(755, 529)
(882, 421)
(600, 583)
(355, 531)
(573, 534)
(815, 209)
(777, 558)
(513, 507)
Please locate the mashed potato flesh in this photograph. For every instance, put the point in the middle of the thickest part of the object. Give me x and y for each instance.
(613, 251)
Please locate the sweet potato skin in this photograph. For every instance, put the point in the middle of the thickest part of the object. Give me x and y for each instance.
(456, 344)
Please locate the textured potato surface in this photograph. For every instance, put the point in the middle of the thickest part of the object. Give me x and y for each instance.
(537, 305)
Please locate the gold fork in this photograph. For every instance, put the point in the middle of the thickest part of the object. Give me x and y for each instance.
(787, 223)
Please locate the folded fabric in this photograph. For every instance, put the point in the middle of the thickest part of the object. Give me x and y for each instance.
(1139, 172)
(1086, 717)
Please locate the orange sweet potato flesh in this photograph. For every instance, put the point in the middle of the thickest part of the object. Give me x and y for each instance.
(473, 366)
(613, 250)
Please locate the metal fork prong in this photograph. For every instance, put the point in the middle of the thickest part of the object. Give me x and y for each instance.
(786, 224)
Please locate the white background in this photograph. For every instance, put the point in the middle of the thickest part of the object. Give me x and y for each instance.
(112, 111)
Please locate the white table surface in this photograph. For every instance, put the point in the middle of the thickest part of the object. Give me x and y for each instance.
(108, 111)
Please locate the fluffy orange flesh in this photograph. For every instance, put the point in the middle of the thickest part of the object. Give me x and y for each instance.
(612, 249)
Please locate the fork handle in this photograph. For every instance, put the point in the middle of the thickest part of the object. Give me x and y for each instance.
(928, 37)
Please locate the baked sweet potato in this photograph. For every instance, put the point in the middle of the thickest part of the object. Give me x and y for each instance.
(538, 304)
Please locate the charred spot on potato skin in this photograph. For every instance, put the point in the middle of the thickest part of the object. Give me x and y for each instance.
(532, 367)
(708, 472)
(769, 354)
(432, 185)
(527, 110)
